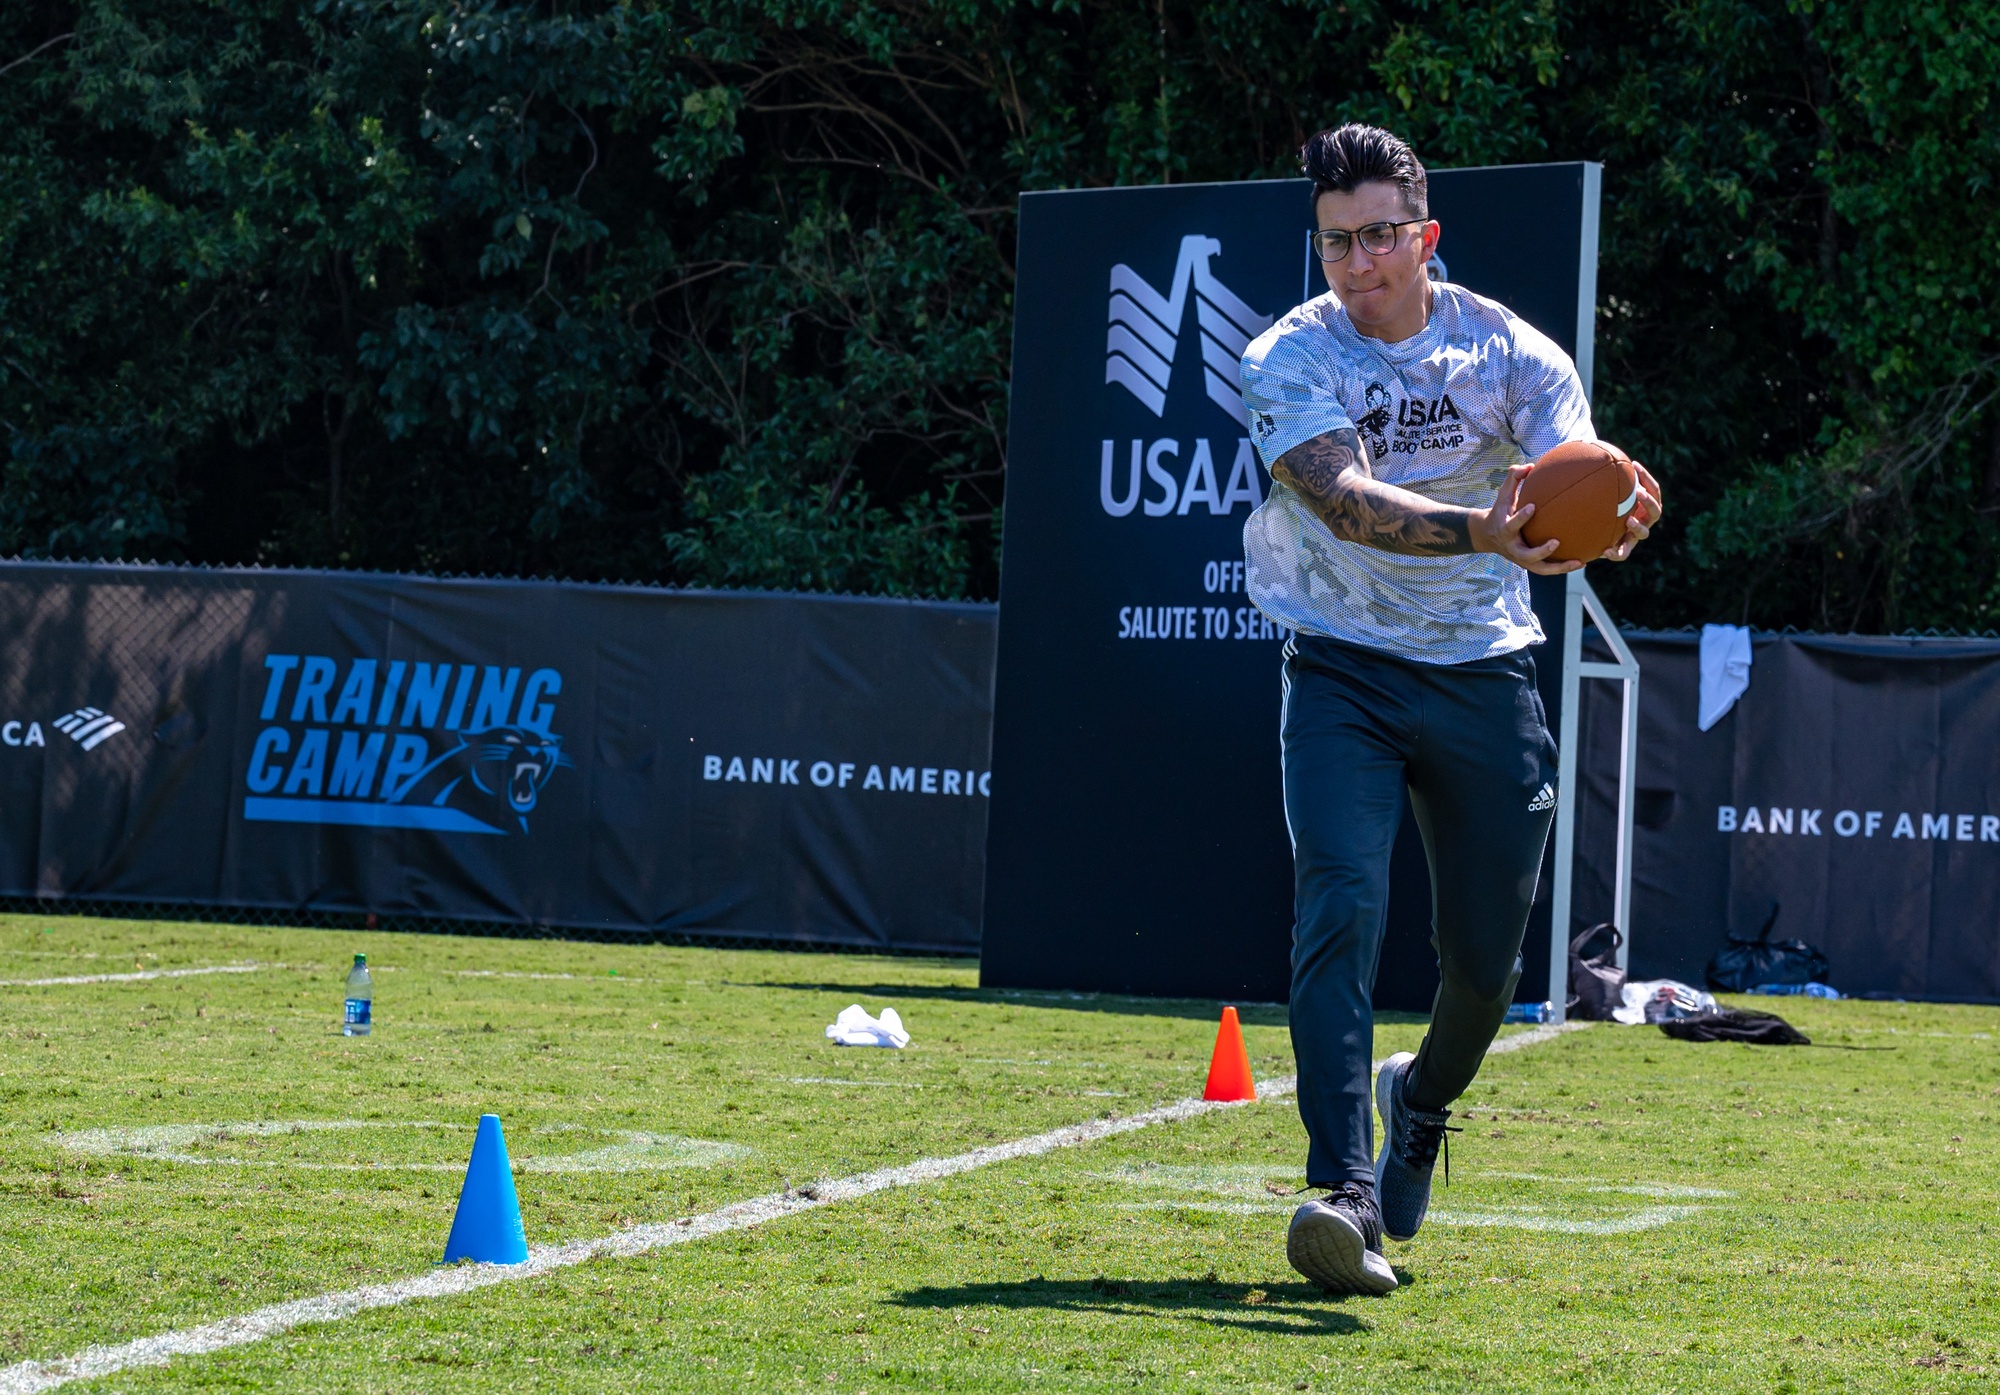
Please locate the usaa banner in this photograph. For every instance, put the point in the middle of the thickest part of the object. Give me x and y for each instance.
(1141, 844)
(618, 758)
(1137, 840)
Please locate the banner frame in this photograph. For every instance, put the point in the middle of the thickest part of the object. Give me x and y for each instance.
(1579, 599)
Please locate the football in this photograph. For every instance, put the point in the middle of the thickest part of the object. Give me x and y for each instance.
(1583, 491)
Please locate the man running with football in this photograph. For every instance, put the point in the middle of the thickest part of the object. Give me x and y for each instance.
(1405, 580)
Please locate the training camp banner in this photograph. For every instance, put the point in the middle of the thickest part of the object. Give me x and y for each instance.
(786, 767)
(1138, 840)
(1854, 788)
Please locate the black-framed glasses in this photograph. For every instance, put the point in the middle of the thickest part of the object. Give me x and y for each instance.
(1377, 239)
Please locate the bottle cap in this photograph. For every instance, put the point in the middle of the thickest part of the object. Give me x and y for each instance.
(361, 959)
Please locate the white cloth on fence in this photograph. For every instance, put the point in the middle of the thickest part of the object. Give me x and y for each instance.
(854, 1027)
(1725, 670)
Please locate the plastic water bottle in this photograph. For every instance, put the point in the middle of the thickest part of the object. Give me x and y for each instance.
(1798, 990)
(360, 999)
(1529, 1012)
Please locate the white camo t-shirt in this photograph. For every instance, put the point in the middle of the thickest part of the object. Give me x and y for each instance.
(1443, 414)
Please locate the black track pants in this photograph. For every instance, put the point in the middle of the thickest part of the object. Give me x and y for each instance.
(1472, 746)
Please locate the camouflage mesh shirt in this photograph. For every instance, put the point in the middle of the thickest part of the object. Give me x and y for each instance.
(1443, 414)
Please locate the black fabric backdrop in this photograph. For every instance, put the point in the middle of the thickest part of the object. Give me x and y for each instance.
(796, 767)
(779, 766)
(1878, 757)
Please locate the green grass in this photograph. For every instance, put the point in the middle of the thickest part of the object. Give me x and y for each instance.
(1625, 1211)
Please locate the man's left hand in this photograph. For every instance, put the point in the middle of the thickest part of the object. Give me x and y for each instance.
(1639, 523)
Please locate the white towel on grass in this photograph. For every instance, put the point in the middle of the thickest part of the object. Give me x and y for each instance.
(854, 1027)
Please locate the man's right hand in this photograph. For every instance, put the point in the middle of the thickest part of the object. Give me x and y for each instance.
(1498, 529)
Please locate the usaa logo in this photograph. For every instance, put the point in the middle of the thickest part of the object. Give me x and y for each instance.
(453, 748)
(1146, 327)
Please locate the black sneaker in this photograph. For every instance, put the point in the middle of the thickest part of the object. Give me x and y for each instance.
(1411, 1139)
(1337, 1242)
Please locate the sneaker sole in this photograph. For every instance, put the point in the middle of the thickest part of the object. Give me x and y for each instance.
(1385, 1084)
(1327, 1248)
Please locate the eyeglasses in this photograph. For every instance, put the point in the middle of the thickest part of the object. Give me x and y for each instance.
(1377, 239)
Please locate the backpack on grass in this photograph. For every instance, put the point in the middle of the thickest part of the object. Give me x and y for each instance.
(1741, 965)
(1596, 984)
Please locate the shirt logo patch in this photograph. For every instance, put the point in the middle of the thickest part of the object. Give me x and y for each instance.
(1374, 423)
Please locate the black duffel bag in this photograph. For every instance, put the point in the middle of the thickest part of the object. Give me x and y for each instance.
(1596, 984)
(1741, 965)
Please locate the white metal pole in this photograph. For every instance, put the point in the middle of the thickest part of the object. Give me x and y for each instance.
(1566, 767)
(1574, 590)
(1586, 277)
(1625, 668)
(1628, 780)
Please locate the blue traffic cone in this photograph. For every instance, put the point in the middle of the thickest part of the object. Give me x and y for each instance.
(487, 1228)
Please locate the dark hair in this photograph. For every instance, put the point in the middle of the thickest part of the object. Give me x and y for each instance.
(1342, 157)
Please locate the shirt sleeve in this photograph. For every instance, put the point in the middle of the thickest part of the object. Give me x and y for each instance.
(1545, 402)
(1290, 393)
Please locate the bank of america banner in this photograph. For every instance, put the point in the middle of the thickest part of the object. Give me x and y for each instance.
(1854, 789)
(785, 767)
(1138, 841)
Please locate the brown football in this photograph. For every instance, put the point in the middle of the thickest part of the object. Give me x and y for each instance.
(1583, 492)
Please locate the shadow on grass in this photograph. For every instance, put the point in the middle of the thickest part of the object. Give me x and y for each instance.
(1198, 1009)
(1288, 1309)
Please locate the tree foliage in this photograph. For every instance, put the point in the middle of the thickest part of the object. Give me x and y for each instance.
(719, 291)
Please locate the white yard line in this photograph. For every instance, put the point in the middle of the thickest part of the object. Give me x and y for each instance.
(137, 977)
(32, 1377)
(1534, 1036)
(1646, 1218)
(509, 973)
(500, 973)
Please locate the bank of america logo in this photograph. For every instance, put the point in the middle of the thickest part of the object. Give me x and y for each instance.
(89, 727)
(1146, 329)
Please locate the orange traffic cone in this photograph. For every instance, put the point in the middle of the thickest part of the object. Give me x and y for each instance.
(1229, 1068)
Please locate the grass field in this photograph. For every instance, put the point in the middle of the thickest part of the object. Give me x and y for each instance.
(1625, 1211)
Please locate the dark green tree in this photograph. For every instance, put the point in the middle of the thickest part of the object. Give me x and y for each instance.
(718, 291)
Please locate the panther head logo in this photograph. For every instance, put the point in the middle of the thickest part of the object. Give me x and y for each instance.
(514, 763)
(491, 776)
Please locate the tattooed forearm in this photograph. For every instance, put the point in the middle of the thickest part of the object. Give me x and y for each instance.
(1333, 474)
